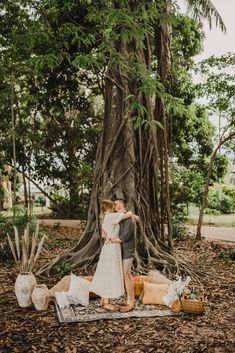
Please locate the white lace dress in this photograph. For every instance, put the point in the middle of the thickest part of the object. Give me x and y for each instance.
(108, 278)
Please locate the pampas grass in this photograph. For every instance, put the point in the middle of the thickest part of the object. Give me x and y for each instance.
(26, 251)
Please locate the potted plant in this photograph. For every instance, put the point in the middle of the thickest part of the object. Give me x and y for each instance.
(25, 252)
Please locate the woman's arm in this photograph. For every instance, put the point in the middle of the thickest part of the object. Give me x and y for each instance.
(135, 218)
(129, 215)
(103, 234)
(110, 240)
(126, 215)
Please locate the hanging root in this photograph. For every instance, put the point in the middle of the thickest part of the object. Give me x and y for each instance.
(82, 255)
(171, 264)
(79, 260)
(150, 255)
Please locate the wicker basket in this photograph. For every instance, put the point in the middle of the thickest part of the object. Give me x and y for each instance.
(193, 306)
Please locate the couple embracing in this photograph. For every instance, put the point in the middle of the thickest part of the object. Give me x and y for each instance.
(113, 273)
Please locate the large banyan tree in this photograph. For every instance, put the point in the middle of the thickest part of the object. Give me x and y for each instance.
(133, 44)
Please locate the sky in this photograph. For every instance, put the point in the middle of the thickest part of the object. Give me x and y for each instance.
(216, 42)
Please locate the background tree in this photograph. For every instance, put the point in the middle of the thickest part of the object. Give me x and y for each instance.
(219, 89)
(57, 123)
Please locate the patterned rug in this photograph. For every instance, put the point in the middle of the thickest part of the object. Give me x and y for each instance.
(94, 312)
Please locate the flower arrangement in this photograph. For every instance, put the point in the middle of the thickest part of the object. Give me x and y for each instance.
(27, 250)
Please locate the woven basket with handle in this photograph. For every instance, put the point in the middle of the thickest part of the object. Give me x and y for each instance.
(194, 306)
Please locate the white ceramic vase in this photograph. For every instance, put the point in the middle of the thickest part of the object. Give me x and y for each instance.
(24, 285)
(41, 297)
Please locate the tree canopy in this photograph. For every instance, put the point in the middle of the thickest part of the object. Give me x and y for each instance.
(100, 93)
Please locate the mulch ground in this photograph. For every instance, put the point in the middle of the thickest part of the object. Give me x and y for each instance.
(26, 330)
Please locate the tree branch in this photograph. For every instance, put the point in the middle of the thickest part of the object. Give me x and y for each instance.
(32, 181)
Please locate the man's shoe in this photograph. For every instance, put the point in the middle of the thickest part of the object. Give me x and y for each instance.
(128, 307)
(123, 302)
(110, 307)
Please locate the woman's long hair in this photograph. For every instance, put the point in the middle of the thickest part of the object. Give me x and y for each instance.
(106, 205)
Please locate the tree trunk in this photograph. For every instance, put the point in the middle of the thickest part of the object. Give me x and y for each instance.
(26, 200)
(1, 192)
(30, 204)
(206, 189)
(13, 142)
(38, 186)
(127, 165)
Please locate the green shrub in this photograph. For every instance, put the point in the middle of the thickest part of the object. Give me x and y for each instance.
(5, 226)
(63, 269)
(67, 209)
(212, 211)
(232, 254)
(180, 232)
(227, 257)
(40, 201)
(213, 201)
(179, 218)
(226, 205)
(230, 191)
(21, 218)
(5, 252)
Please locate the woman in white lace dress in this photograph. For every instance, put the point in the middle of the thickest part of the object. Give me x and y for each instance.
(108, 278)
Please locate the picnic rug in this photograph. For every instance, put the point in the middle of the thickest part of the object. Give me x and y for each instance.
(94, 312)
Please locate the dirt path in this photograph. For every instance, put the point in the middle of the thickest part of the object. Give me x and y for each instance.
(219, 233)
(73, 223)
(209, 232)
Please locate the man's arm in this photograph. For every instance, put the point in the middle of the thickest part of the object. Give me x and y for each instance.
(115, 240)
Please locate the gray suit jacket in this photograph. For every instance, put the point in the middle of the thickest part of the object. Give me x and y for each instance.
(128, 238)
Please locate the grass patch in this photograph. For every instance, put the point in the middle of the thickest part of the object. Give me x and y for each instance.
(37, 212)
(224, 220)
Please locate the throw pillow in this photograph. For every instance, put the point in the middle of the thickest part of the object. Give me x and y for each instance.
(62, 299)
(154, 293)
(139, 284)
(79, 290)
(61, 286)
(157, 277)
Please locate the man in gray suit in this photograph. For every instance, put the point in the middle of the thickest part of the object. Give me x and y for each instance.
(127, 235)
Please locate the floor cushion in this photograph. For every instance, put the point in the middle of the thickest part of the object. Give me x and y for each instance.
(154, 293)
(139, 284)
(156, 277)
(61, 286)
(79, 290)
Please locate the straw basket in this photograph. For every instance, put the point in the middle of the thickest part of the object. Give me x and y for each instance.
(193, 306)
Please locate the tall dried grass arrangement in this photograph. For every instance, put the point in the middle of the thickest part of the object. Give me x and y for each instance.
(26, 251)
